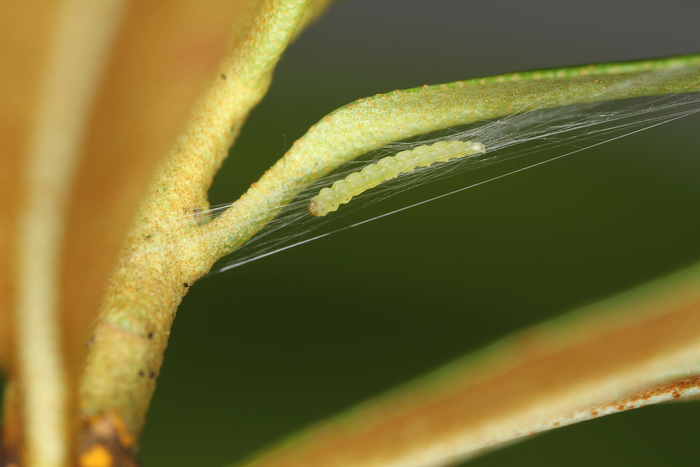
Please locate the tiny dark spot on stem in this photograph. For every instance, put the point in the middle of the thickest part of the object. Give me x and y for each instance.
(223, 76)
(150, 335)
(186, 284)
(152, 375)
(141, 373)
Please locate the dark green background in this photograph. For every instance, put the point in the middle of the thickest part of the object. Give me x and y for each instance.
(268, 348)
(265, 349)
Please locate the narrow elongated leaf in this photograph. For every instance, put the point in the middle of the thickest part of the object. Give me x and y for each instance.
(620, 354)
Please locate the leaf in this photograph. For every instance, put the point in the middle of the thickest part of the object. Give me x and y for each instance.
(616, 355)
(75, 118)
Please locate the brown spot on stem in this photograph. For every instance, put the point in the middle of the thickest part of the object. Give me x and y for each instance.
(105, 442)
(96, 456)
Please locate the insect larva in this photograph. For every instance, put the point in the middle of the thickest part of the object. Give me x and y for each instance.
(343, 191)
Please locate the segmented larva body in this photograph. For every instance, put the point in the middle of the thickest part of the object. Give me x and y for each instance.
(342, 191)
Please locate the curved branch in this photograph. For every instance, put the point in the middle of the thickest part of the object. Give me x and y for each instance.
(373, 122)
(131, 333)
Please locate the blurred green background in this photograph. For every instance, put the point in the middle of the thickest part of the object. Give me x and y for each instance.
(268, 348)
(263, 350)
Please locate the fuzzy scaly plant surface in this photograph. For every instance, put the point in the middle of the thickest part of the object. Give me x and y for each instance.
(95, 257)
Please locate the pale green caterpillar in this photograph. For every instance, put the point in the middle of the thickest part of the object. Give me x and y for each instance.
(343, 191)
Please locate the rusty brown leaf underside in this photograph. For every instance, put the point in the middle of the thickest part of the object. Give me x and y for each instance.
(68, 201)
(626, 352)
